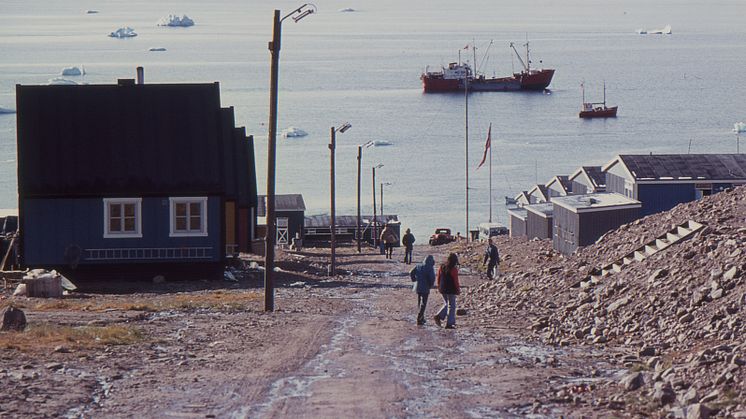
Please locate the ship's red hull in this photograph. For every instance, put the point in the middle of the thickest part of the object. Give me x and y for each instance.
(599, 113)
(535, 80)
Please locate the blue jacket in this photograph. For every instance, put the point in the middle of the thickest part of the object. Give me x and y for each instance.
(424, 276)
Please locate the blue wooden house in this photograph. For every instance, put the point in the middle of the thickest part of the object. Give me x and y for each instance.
(132, 179)
(662, 181)
(588, 179)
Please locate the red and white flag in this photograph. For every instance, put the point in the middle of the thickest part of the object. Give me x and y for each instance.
(487, 146)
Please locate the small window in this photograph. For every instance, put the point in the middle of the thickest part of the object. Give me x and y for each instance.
(122, 218)
(188, 216)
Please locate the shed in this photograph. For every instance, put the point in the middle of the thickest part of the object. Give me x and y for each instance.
(318, 227)
(290, 213)
(522, 199)
(559, 185)
(579, 220)
(588, 179)
(132, 178)
(538, 194)
(539, 220)
(517, 223)
(662, 181)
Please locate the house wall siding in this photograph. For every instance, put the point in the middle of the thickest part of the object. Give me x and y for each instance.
(579, 188)
(662, 197)
(517, 226)
(614, 183)
(592, 225)
(565, 238)
(56, 225)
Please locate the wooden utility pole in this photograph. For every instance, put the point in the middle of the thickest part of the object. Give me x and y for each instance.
(333, 221)
(357, 229)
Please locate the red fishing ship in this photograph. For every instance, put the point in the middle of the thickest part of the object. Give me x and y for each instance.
(459, 76)
(596, 109)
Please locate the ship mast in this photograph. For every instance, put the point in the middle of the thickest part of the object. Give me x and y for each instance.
(520, 59)
(604, 93)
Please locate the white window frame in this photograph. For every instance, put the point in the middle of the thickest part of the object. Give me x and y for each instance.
(108, 234)
(202, 200)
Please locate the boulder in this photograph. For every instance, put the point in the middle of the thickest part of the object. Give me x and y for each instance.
(632, 381)
(13, 320)
(698, 411)
(663, 394)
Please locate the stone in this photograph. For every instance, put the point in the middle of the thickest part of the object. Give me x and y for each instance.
(653, 362)
(54, 366)
(632, 381)
(691, 396)
(658, 274)
(663, 394)
(711, 397)
(600, 339)
(461, 312)
(730, 274)
(715, 294)
(13, 320)
(686, 318)
(698, 411)
(647, 351)
(616, 304)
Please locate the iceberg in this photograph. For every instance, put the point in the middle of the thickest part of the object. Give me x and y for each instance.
(293, 132)
(664, 31)
(123, 33)
(173, 20)
(6, 110)
(739, 127)
(156, 49)
(72, 71)
(63, 81)
(347, 9)
(382, 143)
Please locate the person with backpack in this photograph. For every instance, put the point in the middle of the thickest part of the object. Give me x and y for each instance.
(408, 242)
(389, 239)
(449, 288)
(492, 256)
(423, 276)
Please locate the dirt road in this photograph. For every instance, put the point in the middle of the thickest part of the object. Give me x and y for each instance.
(341, 347)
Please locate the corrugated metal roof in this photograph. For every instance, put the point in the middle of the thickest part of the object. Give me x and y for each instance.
(596, 175)
(696, 167)
(283, 202)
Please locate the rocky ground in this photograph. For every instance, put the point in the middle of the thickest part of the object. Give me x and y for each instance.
(663, 337)
(674, 321)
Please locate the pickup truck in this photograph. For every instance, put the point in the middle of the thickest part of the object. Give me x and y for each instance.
(441, 236)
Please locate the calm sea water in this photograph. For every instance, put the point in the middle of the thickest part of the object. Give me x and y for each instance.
(676, 93)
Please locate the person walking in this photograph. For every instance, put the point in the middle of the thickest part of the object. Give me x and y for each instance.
(408, 242)
(423, 276)
(449, 288)
(491, 258)
(389, 239)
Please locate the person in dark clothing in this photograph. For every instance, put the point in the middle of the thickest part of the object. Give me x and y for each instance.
(408, 242)
(449, 287)
(423, 276)
(491, 258)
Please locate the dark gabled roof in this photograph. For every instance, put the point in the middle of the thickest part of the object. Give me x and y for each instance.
(684, 166)
(542, 190)
(564, 182)
(287, 202)
(596, 175)
(117, 139)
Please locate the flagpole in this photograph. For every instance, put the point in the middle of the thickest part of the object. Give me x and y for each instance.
(489, 136)
(466, 118)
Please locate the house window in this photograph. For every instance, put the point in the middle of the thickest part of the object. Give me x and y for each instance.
(122, 218)
(188, 216)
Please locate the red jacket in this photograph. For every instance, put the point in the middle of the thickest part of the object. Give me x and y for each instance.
(454, 275)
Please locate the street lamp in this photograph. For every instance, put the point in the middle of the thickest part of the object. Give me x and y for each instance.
(333, 225)
(375, 235)
(382, 184)
(269, 240)
(359, 163)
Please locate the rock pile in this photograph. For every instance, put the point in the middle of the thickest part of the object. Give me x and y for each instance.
(679, 314)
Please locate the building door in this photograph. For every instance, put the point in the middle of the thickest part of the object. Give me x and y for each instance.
(231, 246)
(282, 230)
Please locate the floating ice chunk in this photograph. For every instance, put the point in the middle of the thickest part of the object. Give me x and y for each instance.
(173, 20)
(156, 49)
(63, 81)
(72, 71)
(665, 31)
(382, 143)
(123, 33)
(293, 132)
(347, 9)
(6, 110)
(91, 12)
(739, 127)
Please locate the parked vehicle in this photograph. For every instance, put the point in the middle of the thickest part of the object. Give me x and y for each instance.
(441, 236)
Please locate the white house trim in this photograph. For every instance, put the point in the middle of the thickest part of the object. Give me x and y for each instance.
(202, 232)
(108, 234)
